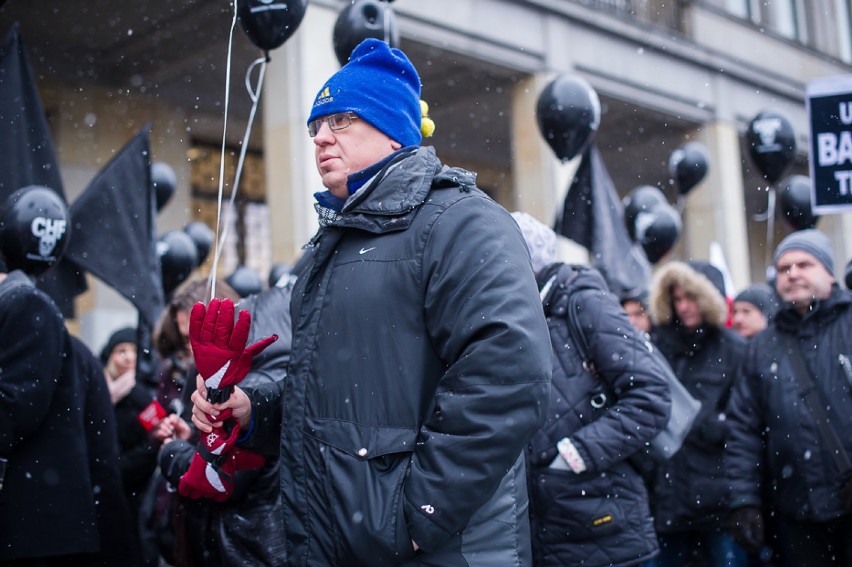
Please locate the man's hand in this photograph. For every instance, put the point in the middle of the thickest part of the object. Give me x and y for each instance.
(206, 416)
(747, 528)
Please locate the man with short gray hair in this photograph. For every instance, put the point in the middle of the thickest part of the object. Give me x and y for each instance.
(791, 414)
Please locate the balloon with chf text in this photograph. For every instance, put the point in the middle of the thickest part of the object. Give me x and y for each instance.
(34, 229)
(269, 23)
(771, 144)
(568, 113)
(360, 20)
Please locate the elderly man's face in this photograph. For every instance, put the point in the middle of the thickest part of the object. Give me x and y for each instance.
(348, 150)
(802, 279)
(747, 319)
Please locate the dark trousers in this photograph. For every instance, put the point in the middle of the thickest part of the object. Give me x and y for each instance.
(817, 544)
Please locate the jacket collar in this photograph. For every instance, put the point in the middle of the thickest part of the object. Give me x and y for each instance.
(821, 311)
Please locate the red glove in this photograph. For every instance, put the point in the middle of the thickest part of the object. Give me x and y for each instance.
(219, 348)
(211, 472)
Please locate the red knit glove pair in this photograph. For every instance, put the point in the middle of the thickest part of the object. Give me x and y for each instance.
(223, 360)
(219, 348)
(211, 473)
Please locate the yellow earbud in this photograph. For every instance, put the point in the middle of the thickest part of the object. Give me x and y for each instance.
(427, 125)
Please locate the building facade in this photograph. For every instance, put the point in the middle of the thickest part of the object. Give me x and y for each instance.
(667, 72)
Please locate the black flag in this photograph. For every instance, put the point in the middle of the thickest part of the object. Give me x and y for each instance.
(113, 225)
(26, 148)
(593, 217)
(27, 156)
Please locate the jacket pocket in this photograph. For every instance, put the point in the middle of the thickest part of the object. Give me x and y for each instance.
(365, 474)
(571, 507)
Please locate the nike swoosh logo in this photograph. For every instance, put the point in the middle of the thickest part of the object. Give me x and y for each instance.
(365, 250)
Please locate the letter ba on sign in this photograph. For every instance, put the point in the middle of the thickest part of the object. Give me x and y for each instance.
(829, 104)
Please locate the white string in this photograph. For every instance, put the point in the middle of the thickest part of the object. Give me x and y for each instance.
(770, 224)
(255, 97)
(222, 154)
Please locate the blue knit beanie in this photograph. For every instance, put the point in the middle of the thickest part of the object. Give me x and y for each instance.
(811, 241)
(381, 86)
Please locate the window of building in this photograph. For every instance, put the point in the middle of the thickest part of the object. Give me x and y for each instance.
(247, 241)
(787, 18)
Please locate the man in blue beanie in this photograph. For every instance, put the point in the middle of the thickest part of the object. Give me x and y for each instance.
(791, 414)
(420, 363)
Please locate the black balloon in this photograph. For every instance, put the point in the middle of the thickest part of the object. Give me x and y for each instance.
(278, 271)
(641, 199)
(848, 278)
(245, 281)
(269, 23)
(657, 231)
(794, 200)
(568, 113)
(203, 237)
(771, 144)
(361, 20)
(34, 229)
(688, 165)
(164, 181)
(178, 257)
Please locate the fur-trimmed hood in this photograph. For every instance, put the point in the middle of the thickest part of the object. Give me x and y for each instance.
(710, 301)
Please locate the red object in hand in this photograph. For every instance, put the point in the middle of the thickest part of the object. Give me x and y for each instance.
(211, 472)
(151, 415)
(219, 347)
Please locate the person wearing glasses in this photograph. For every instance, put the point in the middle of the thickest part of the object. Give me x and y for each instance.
(420, 364)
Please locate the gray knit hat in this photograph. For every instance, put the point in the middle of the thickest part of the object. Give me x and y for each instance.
(761, 296)
(811, 241)
(540, 238)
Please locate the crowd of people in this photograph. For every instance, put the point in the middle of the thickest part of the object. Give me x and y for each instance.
(431, 386)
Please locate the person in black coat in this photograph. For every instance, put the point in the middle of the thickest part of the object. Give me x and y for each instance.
(47, 508)
(779, 451)
(690, 492)
(588, 504)
(245, 529)
(420, 359)
(138, 447)
(115, 526)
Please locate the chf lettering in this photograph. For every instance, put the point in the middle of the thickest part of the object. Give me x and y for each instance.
(48, 231)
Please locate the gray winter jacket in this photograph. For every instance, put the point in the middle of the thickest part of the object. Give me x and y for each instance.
(773, 434)
(420, 369)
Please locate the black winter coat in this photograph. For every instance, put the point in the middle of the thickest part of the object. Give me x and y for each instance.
(248, 528)
(600, 516)
(691, 490)
(420, 369)
(46, 504)
(118, 546)
(773, 431)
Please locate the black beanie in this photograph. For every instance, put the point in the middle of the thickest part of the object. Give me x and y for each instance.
(124, 335)
(761, 296)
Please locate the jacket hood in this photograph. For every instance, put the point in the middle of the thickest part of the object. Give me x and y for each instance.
(710, 301)
(789, 320)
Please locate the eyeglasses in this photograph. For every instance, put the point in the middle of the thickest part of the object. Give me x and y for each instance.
(336, 122)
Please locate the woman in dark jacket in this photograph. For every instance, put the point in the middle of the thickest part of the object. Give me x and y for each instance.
(245, 529)
(588, 504)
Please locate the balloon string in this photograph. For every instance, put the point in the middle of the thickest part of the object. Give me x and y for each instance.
(387, 24)
(770, 223)
(212, 281)
(254, 94)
